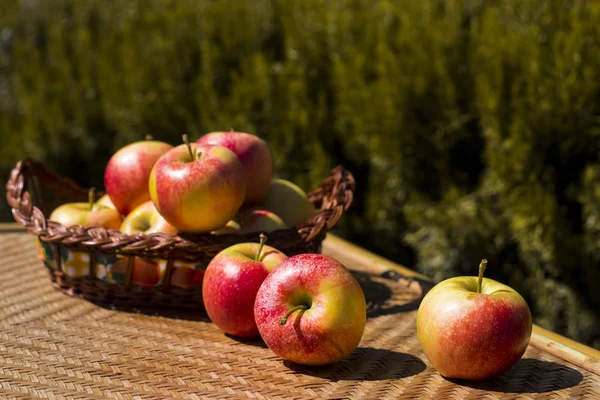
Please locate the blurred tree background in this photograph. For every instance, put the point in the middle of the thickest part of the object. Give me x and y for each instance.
(472, 127)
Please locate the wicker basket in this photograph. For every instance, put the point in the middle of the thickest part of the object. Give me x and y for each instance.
(100, 265)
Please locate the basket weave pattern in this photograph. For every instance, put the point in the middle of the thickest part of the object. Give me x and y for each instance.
(55, 347)
(33, 192)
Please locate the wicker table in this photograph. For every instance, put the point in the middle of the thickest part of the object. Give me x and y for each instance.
(53, 346)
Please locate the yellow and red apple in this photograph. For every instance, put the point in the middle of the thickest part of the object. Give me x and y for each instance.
(311, 310)
(197, 188)
(255, 157)
(473, 328)
(231, 282)
(145, 218)
(105, 200)
(86, 214)
(127, 172)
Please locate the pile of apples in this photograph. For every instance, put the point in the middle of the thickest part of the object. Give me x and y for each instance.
(223, 183)
(308, 308)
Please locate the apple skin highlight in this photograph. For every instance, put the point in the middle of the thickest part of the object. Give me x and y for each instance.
(332, 326)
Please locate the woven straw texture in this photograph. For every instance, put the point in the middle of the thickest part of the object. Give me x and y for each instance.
(33, 192)
(55, 346)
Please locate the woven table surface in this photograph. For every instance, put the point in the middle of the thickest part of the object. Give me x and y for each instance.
(54, 346)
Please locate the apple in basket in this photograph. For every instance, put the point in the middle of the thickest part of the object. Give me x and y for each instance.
(289, 202)
(231, 227)
(311, 310)
(255, 156)
(127, 172)
(259, 220)
(86, 214)
(106, 201)
(472, 327)
(145, 218)
(197, 188)
(145, 272)
(231, 282)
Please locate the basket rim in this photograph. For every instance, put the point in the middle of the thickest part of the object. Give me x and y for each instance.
(334, 195)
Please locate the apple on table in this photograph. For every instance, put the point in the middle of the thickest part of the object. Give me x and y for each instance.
(231, 282)
(197, 188)
(255, 157)
(311, 310)
(127, 172)
(473, 328)
(87, 214)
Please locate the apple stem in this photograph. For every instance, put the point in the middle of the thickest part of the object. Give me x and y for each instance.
(263, 240)
(149, 137)
(292, 310)
(92, 197)
(186, 140)
(482, 266)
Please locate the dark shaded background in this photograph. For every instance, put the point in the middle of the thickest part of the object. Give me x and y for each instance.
(472, 127)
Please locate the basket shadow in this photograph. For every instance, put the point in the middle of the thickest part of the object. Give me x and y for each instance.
(529, 375)
(255, 341)
(365, 364)
(385, 296)
(172, 313)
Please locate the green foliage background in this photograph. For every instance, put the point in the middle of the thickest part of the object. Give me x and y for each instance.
(472, 127)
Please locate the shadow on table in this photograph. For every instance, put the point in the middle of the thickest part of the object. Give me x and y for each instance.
(365, 364)
(181, 314)
(529, 375)
(385, 295)
(256, 341)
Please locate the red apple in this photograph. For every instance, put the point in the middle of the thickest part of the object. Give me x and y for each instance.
(197, 188)
(231, 282)
(146, 219)
(87, 214)
(255, 156)
(311, 310)
(126, 175)
(259, 220)
(145, 272)
(186, 276)
(289, 202)
(473, 328)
